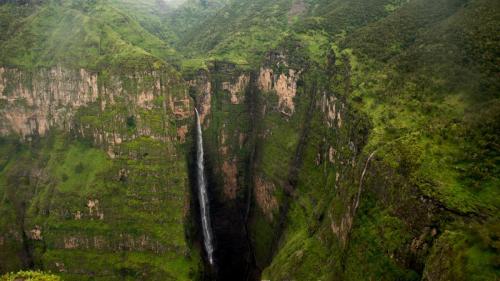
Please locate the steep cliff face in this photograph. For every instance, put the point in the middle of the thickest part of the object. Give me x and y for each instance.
(32, 104)
(283, 125)
(309, 154)
(35, 102)
(220, 93)
(321, 195)
(84, 209)
(344, 140)
(363, 204)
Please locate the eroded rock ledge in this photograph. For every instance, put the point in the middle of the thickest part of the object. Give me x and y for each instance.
(32, 103)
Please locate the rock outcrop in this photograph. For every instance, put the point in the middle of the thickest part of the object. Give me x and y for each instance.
(237, 89)
(32, 103)
(284, 85)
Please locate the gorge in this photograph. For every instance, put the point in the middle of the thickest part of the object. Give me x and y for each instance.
(203, 193)
(249, 140)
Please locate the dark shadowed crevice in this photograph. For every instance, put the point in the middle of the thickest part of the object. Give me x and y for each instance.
(234, 259)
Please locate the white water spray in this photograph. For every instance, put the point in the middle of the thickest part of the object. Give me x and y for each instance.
(202, 194)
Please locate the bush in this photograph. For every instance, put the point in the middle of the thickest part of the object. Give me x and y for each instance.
(79, 168)
(131, 122)
(30, 276)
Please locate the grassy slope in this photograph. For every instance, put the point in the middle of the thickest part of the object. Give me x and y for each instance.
(423, 75)
(238, 31)
(179, 26)
(98, 36)
(429, 93)
(58, 177)
(76, 34)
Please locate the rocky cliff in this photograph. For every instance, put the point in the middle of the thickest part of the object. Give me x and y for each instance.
(93, 158)
(345, 140)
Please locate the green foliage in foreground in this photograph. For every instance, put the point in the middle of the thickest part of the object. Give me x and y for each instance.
(30, 276)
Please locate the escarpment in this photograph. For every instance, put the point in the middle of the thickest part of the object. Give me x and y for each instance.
(289, 175)
(257, 148)
(32, 103)
(250, 139)
(96, 155)
(35, 101)
(291, 171)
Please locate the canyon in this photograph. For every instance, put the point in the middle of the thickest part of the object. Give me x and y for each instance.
(250, 140)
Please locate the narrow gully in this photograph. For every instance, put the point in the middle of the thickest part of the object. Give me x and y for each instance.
(221, 223)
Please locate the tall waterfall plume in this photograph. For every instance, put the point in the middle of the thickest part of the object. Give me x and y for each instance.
(202, 193)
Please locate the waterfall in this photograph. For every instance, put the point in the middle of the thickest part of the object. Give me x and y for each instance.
(361, 180)
(202, 193)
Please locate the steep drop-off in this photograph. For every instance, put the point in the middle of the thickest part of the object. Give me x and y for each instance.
(97, 159)
(343, 140)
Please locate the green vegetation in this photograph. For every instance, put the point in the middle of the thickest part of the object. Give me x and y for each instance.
(29, 276)
(425, 99)
(93, 35)
(75, 194)
(415, 82)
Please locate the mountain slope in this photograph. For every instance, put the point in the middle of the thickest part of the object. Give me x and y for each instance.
(420, 74)
(93, 123)
(91, 35)
(344, 140)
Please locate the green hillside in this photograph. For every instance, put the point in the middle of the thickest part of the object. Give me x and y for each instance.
(93, 35)
(344, 139)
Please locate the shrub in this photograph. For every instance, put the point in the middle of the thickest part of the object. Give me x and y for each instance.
(30, 276)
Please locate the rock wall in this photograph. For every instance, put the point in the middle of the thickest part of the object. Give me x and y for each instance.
(283, 85)
(34, 102)
(93, 169)
(288, 154)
